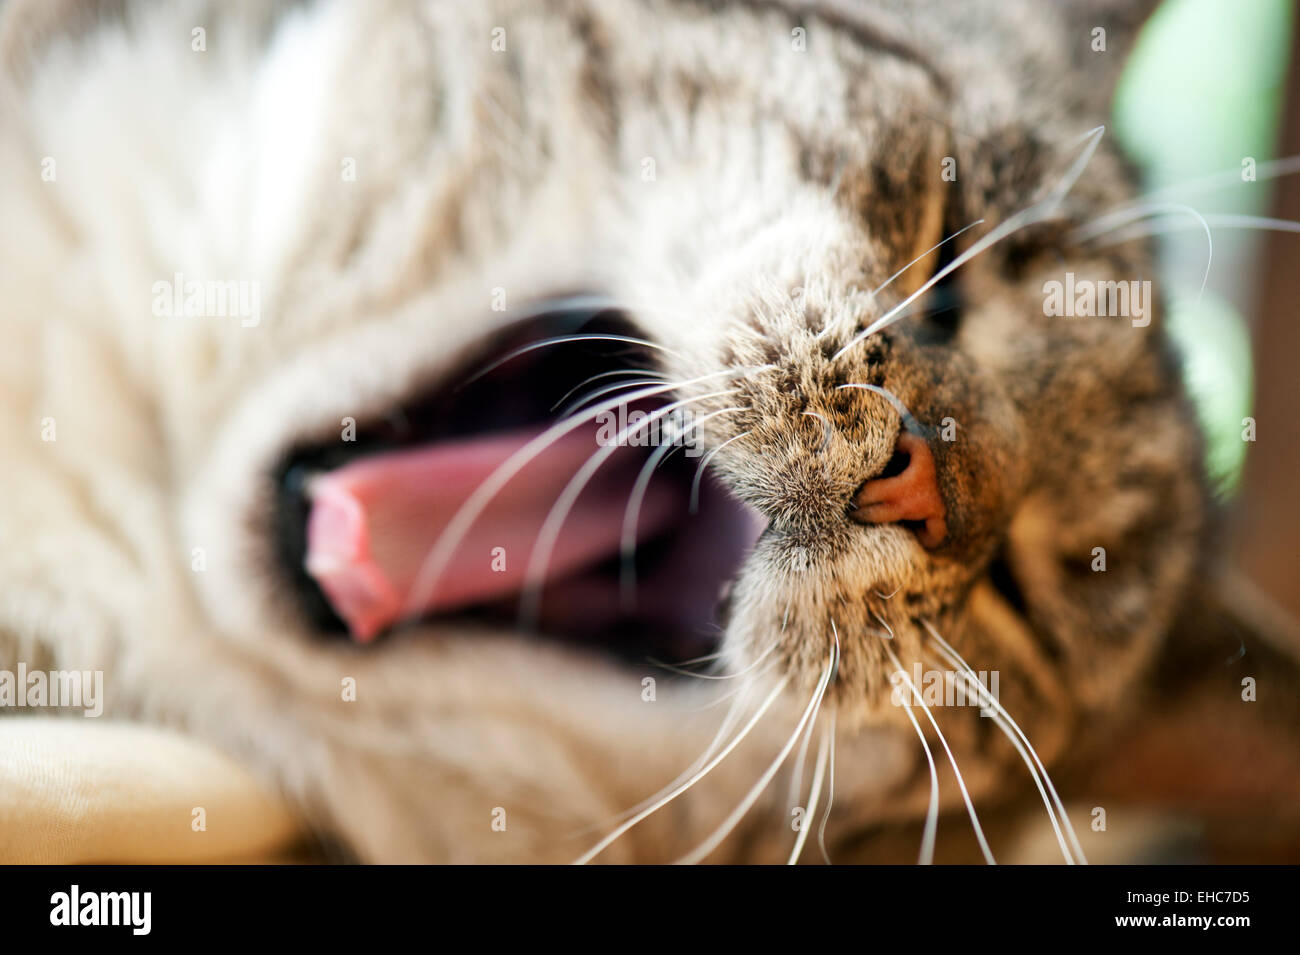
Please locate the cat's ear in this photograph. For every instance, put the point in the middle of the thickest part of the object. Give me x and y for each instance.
(1100, 35)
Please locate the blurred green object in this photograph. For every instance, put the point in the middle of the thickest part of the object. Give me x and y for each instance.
(1216, 357)
(1203, 92)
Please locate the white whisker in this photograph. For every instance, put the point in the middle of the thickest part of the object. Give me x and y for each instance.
(955, 659)
(632, 513)
(616, 373)
(1164, 223)
(961, 783)
(719, 676)
(880, 288)
(1113, 220)
(1001, 723)
(1272, 169)
(796, 774)
(813, 796)
(678, 790)
(706, 848)
(729, 719)
(932, 813)
(534, 575)
(560, 340)
(699, 471)
(757, 678)
(893, 399)
(435, 563)
(601, 392)
(1037, 212)
(826, 428)
(830, 791)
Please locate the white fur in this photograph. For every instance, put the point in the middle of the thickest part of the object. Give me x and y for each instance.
(226, 164)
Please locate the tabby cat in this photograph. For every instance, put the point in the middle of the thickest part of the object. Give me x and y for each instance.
(333, 334)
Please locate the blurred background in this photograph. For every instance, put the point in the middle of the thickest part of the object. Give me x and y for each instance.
(1210, 109)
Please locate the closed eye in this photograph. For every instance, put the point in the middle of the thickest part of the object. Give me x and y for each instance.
(942, 307)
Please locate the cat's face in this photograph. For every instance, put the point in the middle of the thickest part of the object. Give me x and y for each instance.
(413, 196)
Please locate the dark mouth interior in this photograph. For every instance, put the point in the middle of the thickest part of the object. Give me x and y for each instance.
(679, 573)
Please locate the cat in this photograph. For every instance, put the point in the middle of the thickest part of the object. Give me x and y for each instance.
(259, 257)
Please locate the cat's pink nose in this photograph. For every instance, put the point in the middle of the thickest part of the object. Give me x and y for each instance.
(912, 495)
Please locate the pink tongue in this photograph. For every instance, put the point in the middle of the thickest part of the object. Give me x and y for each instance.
(373, 523)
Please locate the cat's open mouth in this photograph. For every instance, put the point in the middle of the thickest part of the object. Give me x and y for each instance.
(483, 499)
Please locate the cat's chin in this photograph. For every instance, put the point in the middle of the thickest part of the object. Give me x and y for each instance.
(457, 498)
(854, 606)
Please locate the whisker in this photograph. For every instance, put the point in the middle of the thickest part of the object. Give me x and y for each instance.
(1037, 212)
(560, 340)
(708, 845)
(700, 659)
(830, 791)
(617, 372)
(796, 774)
(932, 813)
(729, 719)
(1160, 225)
(632, 513)
(1271, 169)
(699, 471)
(682, 671)
(435, 563)
(884, 285)
(826, 429)
(1066, 183)
(955, 659)
(961, 783)
(681, 788)
(1038, 778)
(721, 698)
(598, 393)
(1110, 221)
(757, 677)
(719, 676)
(813, 797)
(534, 575)
(909, 420)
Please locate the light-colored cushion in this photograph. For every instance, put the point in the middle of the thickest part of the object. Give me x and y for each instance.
(86, 790)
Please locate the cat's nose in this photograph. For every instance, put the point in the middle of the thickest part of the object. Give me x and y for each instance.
(911, 495)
